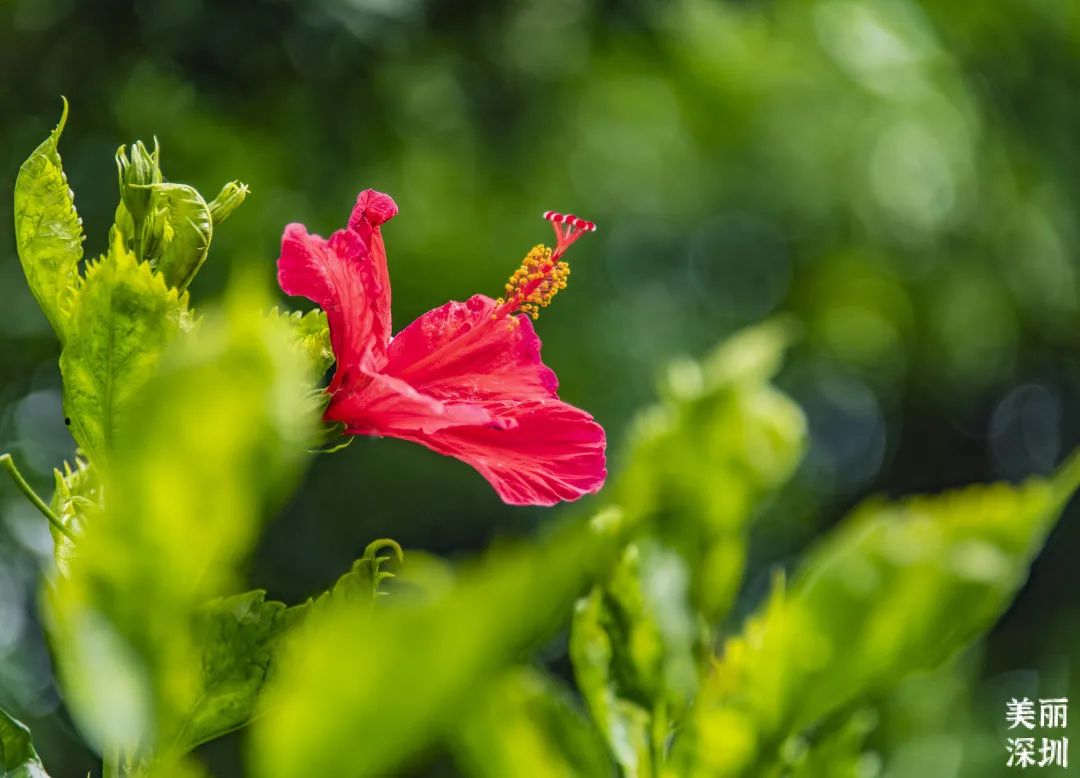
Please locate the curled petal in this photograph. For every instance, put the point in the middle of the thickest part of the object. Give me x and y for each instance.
(340, 275)
(372, 209)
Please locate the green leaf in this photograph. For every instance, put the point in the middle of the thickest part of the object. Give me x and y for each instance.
(838, 751)
(626, 723)
(362, 584)
(312, 334)
(896, 588)
(945, 712)
(78, 497)
(721, 440)
(209, 446)
(634, 645)
(124, 318)
(348, 701)
(48, 231)
(242, 636)
(900, 587)
(17, 755)
(541, 732)
(178, 233)
(701, 461)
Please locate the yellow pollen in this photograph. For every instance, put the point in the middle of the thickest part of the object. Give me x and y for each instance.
(536, 282)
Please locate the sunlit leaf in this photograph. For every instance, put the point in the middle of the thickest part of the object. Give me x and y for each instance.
(541, 732)
(77, 498)
(312, 334)
(896, 588)
(241, 638)
(363, 583)
(936, 716)
(17, 755)
(48, 231)
(837, 751)
(124, 318)
(702, 460)
(626, 723)
(634, 644)
(210, 443)
(322, 721)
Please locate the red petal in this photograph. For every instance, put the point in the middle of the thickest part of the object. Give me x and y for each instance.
(459, 352)
(343, 277)
(537, 450)
(553, 452)
(384, 405)
(373, 209)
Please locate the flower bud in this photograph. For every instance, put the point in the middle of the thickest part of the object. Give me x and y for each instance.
(151, 238)
(138, 172)
(227, 201)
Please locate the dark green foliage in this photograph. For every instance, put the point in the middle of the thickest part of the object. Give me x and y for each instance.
(17, 755)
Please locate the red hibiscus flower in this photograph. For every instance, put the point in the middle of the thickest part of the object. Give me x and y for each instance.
(465, 379)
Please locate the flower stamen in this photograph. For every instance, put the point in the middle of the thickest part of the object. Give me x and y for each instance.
(543, 273)
(568, 228)
(535, 283)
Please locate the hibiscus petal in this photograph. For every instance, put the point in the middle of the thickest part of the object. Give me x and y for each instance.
(537, 450)
(459, 352)
(384, 405)
(553, 452)
(372, 210)
(340, 275)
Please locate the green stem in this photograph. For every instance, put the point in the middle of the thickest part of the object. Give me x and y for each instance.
(9, 464)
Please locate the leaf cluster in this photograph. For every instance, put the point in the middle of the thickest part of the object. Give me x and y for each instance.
(192, 429)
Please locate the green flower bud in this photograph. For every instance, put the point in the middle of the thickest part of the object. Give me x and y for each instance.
(227, 201)
(138, 172)
(151, 238)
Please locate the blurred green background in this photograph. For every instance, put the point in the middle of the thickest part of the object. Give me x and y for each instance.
(900, 176)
